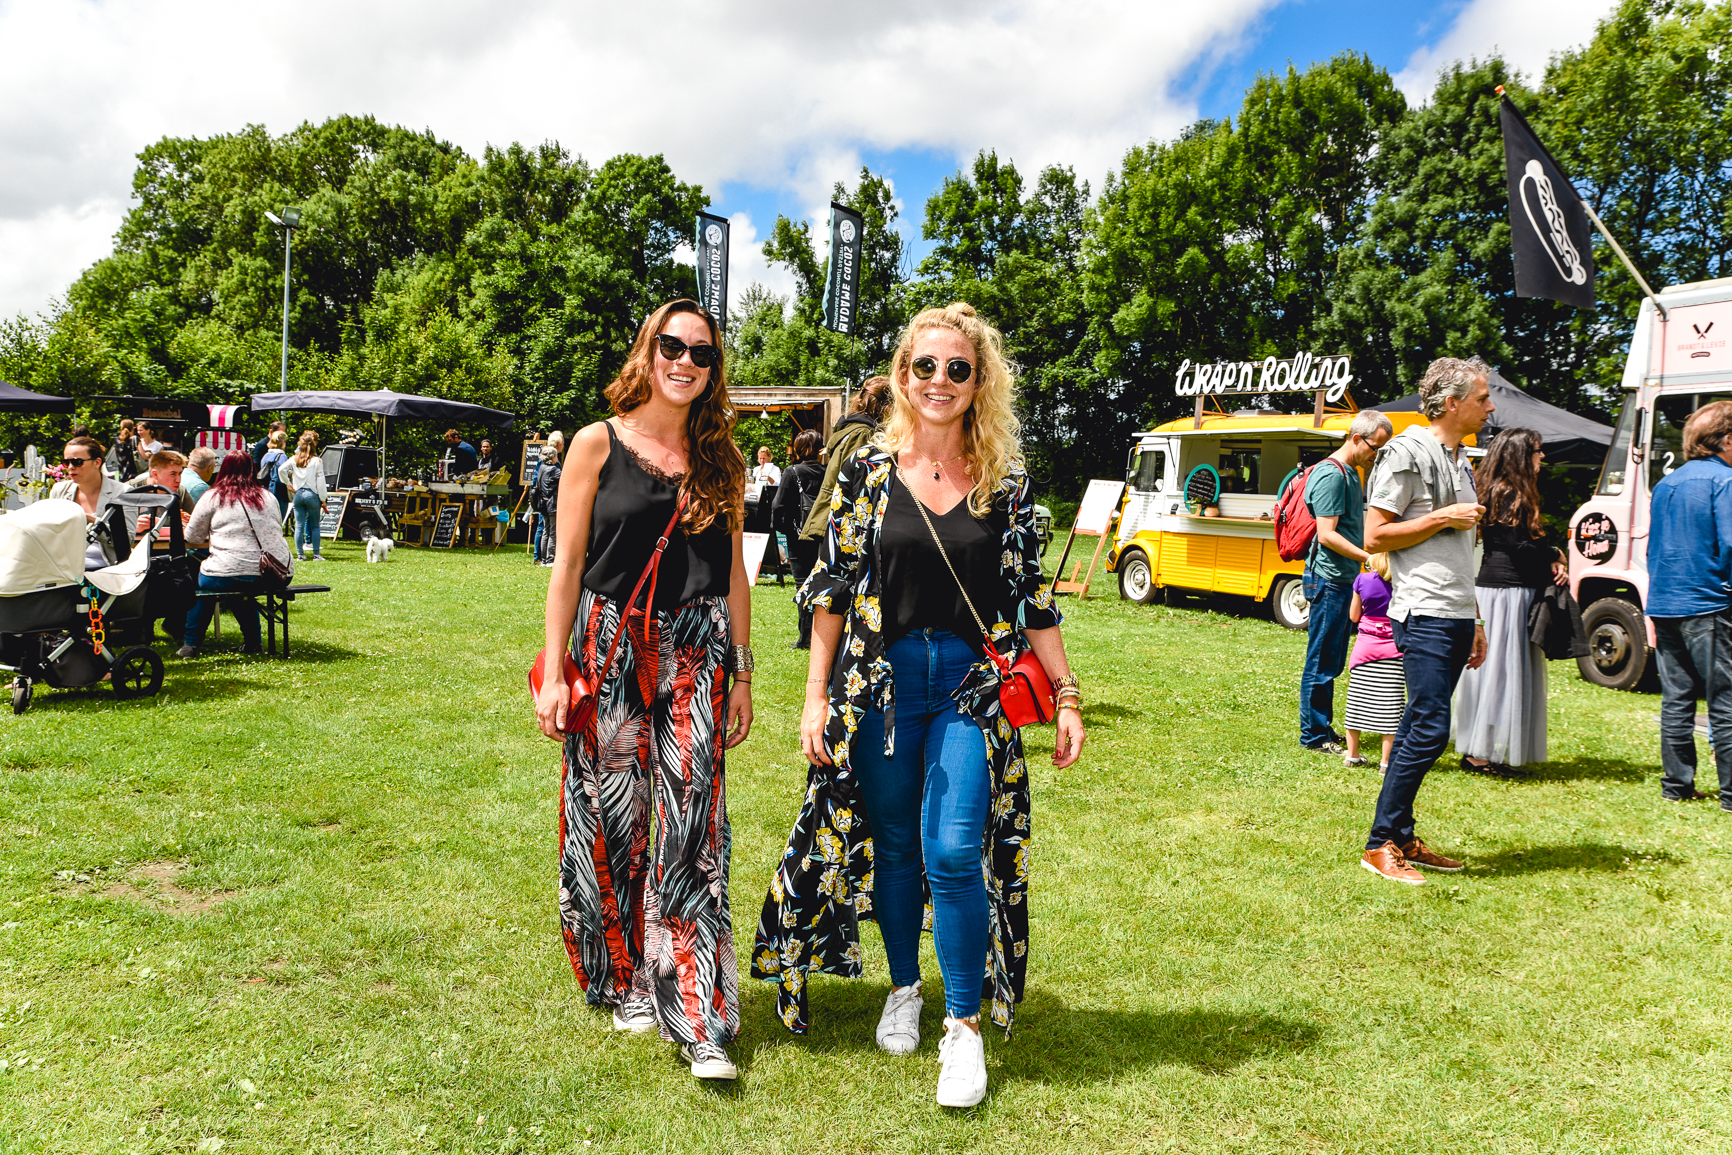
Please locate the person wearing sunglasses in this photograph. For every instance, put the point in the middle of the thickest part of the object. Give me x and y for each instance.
(915, 774)
(87, 484)
(645, 919)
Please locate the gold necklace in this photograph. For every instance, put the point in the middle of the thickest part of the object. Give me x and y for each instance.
(938, 465)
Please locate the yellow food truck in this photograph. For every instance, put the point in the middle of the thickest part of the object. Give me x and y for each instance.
(1200, 493)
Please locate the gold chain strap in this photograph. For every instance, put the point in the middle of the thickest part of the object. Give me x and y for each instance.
(933, 530)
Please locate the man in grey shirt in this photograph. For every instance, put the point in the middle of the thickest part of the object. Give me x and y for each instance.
(1422, 513)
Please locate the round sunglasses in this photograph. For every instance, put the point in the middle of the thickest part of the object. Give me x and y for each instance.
(703, 356)
(956, 368)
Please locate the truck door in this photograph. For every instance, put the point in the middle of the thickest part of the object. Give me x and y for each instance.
(1146, 483)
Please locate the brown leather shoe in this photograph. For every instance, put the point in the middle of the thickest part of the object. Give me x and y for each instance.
(1388, 861)
(1418, 853)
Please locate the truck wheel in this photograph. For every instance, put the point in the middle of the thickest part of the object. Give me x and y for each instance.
(1287, 602)
(1136, 579)
(1617, 644)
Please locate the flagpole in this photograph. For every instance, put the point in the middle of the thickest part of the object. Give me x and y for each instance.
(1623, 256)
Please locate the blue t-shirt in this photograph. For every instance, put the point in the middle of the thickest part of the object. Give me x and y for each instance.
(1690, 541)
(1336, 492)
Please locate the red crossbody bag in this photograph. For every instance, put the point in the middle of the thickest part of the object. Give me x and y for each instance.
(581, 710)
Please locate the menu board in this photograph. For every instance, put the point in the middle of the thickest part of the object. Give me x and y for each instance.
(331, 517)
(445, 529)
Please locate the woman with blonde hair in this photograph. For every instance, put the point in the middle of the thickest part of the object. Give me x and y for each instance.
(270, 466)
(916, 779)
(303, 475)
(646, 924)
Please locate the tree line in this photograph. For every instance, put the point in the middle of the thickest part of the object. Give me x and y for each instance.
(1329, 217)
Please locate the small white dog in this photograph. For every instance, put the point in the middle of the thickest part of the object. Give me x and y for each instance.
(379, 548)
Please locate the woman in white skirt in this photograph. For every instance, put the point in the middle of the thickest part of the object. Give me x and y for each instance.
(1376, 678)
(1500, 708)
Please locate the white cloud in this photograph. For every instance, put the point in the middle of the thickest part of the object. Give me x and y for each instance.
(746, 262)
(774, 93)
(1526, 33)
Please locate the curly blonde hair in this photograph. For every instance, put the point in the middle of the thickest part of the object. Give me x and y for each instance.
(991, 433)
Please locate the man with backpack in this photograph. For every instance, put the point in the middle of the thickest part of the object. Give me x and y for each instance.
(1335, 500)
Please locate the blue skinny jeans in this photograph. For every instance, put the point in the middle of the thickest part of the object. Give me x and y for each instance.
(1434, 653)
(928, 804)
(308, 511)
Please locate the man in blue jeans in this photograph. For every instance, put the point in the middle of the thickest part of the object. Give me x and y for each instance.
(1690, 600)
(1337, 500)
(1422, 513)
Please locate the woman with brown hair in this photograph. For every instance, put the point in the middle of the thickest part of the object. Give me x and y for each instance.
(1499, 714)
(646, 924)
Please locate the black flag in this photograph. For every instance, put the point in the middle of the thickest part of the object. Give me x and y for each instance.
(1549, 227)
(712, 247)
(842, 286)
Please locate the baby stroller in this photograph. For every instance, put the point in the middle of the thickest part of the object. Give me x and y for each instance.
(56, 618)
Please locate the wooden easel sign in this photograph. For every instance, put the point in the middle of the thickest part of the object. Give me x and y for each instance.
(752, 546)
(1094, 519)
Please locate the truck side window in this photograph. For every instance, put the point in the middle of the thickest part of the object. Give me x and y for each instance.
(1618, 453)
(1666, 446)
(1151, 471)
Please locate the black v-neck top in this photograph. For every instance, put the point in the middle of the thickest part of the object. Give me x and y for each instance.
(633, 504)
(919, 592)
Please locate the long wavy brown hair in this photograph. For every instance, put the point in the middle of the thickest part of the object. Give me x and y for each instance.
(1509, 480)
(715, 471)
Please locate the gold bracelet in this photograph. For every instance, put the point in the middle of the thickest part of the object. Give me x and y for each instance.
(1065, 682)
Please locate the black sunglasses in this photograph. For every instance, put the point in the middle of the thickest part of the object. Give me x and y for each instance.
(956, 368)
(703, 356)
(75, 461)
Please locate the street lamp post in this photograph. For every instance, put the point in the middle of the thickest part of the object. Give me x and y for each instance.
(290, 221)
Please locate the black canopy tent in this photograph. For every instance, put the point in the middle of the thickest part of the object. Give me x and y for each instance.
(1568, 439)
(16, 400)
(383, 404)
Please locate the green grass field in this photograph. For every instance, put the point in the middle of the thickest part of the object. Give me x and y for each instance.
(308, 907)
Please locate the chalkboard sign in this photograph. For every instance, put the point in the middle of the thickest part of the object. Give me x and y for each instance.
(331, 517)
(445, 529)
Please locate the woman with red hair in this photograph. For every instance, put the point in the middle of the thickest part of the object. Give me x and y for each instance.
(646, 923)
(233, 521)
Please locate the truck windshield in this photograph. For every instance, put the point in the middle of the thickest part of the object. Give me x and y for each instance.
(1666, 449)
(1149, 471)
(1618, 453)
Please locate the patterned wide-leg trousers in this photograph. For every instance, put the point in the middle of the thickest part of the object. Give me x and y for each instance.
(642, 919)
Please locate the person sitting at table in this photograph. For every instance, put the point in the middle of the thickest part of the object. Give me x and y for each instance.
(238, 521)
(201, 464)
(459, 456)
(164, 473)
(90, 487)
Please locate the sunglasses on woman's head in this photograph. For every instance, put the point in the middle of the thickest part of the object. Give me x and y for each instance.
(703, 356)
(956, 368)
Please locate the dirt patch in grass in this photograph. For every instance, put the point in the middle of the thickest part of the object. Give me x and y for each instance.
(154, 883)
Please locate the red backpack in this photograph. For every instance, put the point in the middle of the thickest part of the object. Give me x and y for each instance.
(1295, 528)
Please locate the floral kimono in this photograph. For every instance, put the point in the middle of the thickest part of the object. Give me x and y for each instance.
(823, 885)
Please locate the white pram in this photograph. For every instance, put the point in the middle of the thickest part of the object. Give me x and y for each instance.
(55, 617)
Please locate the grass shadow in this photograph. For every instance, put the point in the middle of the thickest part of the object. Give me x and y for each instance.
(1585, 770)
(1108, 713)
(1054, 1043)
(1605, 857)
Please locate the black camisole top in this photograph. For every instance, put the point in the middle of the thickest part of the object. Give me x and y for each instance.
(632, 506)
(919, 591)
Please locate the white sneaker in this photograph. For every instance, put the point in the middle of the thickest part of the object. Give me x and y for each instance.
(899, 1025)
(962, 1079)
(708, 1061)
(634, 1015)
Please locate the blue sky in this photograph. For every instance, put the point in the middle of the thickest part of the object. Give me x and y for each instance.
(1297, 32)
